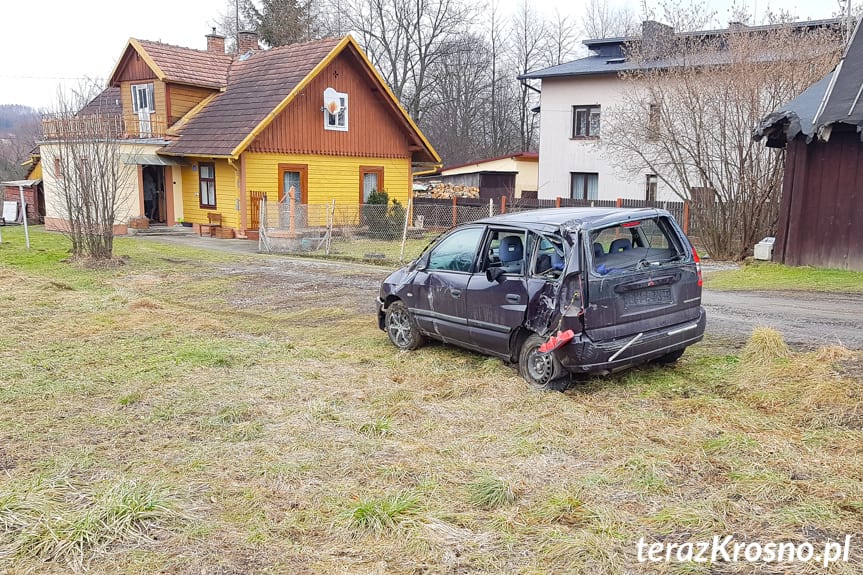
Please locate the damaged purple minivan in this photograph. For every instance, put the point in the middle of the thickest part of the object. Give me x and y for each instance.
(559, 291)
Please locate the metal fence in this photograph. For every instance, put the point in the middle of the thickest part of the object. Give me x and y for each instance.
(393, 232)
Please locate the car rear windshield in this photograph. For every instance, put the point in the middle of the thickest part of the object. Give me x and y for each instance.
(635, 245)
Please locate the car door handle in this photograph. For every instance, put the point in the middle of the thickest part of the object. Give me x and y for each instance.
(513, 298)
(455, 292)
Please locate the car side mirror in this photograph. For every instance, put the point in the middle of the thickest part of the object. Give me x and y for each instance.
(421, 263)
(494, 274)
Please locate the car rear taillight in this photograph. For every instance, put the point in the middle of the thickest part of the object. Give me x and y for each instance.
(697, 267)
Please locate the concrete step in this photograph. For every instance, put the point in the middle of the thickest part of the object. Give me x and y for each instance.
(163, 231)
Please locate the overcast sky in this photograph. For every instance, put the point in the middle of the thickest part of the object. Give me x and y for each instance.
(45, 44)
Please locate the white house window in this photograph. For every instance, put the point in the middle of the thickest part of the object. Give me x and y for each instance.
(336, 112)
(585, 121)
(142, 98)
(584, 185)
(650, 189)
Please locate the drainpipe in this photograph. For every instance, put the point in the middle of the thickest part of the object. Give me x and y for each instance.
(241, 193)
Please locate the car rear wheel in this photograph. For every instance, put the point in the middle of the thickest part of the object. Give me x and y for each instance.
(401, 328)
(541, 370)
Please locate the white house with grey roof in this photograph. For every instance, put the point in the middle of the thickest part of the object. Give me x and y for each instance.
(573, 98)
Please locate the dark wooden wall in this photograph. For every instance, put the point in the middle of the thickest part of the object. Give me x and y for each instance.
(373, 130)
(133, 68)
(821, 215)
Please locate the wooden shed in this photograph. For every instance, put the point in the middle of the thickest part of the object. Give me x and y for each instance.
(821, 212)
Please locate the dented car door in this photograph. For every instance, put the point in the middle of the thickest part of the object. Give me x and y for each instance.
(441, 285)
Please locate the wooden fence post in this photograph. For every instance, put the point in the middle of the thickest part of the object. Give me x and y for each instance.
(557, 202)
(686, 215)
(454, 211)
(503, 204)
(619, 202)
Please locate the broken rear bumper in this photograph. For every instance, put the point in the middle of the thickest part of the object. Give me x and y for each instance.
(583, 355)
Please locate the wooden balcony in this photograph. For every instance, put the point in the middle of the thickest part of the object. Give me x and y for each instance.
(127, 127)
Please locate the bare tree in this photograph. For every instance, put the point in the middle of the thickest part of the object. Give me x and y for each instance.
(529, 36)
(405, 38)
(690, 123)
(602, 20)
(231, 21)
(682, 15)
(86, 164)
(460, 105)
(561, 41)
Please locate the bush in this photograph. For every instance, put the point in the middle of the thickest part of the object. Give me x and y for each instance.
(382, 222)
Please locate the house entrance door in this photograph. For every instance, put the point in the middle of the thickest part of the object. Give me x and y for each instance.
(155, 200)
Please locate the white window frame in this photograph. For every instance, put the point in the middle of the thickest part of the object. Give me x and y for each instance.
(151, 105)
(343, 115)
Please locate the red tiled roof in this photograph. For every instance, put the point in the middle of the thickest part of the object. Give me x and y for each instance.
(187, 65)
(106, 103)
(255, 87)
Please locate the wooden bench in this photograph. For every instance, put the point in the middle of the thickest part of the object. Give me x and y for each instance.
(214, 222)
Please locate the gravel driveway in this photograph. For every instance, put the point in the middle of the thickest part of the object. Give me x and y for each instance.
(805, 319)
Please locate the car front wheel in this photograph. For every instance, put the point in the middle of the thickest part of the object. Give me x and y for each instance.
(541, 370)
(401, 328)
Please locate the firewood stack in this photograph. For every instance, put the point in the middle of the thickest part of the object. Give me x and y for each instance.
(447, 191)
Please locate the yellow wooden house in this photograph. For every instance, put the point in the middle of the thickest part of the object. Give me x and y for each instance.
(205, 132)
(216, 131)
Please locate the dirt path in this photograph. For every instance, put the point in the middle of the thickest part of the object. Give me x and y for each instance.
(805, 319)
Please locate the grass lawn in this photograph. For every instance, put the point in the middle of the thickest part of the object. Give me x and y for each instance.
(770, 276)
(179, 414)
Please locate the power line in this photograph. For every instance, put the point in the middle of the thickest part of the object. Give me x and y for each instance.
(8, 77)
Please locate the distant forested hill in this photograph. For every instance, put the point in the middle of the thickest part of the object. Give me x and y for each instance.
(20, 127)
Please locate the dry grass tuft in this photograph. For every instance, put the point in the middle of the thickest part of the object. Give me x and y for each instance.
(379, 514)
(488, 491)
(144, 304)
(833, 353)
(765, 346)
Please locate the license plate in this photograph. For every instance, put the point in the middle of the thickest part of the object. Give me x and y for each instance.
(647, 297)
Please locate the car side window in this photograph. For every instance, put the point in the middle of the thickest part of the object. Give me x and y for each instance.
(548, 258)
(506, 249)
(456, 252)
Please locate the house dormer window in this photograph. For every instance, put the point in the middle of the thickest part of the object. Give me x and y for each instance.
(142, 98)
(335, 110)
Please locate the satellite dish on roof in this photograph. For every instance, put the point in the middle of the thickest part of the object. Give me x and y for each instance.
(332, 102)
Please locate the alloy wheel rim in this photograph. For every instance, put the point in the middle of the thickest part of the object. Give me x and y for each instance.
(399, 328)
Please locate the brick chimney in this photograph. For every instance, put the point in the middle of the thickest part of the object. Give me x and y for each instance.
(215, 43)
(656, 38)
(248, 41)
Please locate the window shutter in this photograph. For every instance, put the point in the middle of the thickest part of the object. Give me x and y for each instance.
(150, 99)
(134, 99)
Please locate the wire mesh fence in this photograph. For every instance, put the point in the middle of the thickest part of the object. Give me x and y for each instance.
(386, 233)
